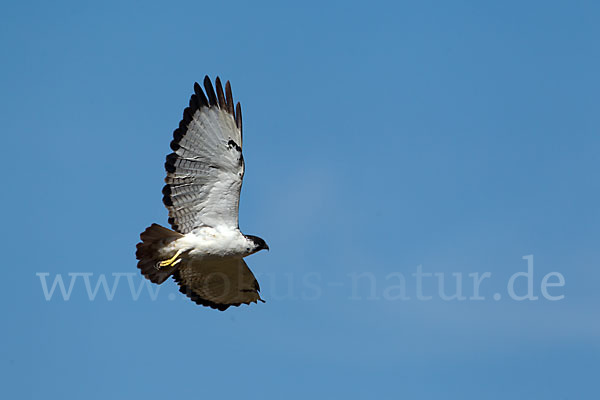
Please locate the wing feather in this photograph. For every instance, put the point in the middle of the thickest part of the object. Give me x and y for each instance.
(206, 168)
(201, 96)
(229, 95)
(210, 92)
(218, 284)
(220, 95)
(238, 120)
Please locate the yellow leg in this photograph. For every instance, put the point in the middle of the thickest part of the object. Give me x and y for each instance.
(171, 261)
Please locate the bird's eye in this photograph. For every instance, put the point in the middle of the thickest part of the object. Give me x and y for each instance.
(248, 249)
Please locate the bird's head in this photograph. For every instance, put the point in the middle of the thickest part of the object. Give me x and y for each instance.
(259, 244)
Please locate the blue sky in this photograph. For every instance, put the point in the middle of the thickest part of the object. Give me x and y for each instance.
(379, 137)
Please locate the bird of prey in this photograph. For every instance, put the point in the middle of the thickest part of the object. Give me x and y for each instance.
(205, 250)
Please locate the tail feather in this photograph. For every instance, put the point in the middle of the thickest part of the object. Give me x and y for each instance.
(154, 238)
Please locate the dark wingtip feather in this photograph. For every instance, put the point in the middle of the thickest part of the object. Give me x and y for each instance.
(220, 94)
(210, 92)
(200, 94)
(167, 200)
(174, 226)
(238, 116)
(170, 163)
(229, 96)
(177, 136)
(188, 114)
(194, 103)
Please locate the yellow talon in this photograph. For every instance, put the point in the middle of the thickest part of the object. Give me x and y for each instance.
(171, 261)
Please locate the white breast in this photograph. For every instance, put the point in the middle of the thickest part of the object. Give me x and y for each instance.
(215, 242)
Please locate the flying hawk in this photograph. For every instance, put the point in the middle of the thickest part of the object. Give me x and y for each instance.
(205, 250)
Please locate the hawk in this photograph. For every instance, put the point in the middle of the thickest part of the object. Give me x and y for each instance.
(204, 251)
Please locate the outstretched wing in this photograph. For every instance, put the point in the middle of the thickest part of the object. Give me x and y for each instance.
(218, 283)
(206, 168)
